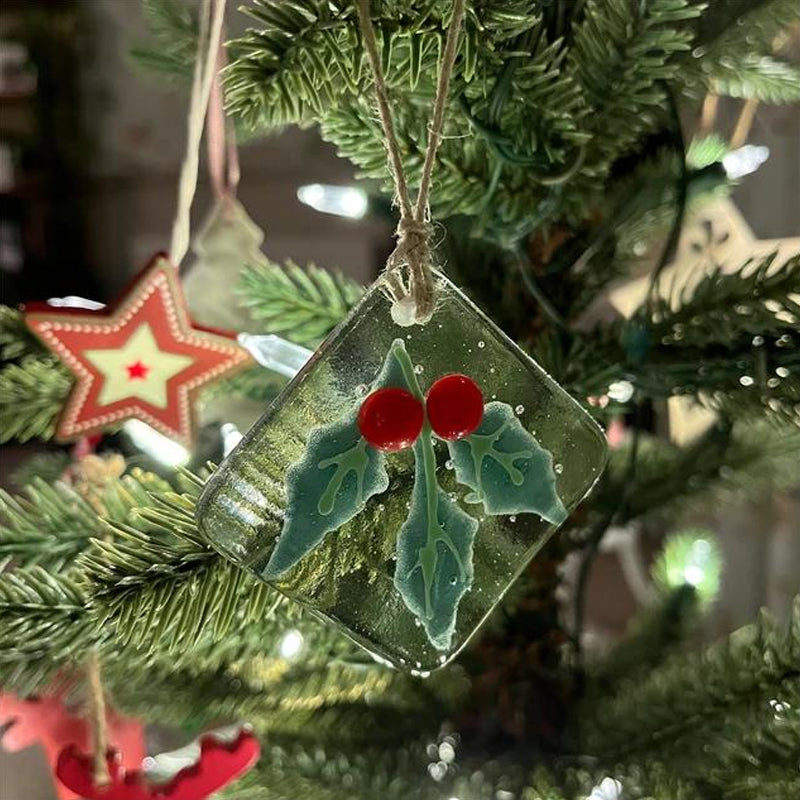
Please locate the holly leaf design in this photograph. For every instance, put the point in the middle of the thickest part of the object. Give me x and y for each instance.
(328, 486)
(332, 482)
(507, 469)
(434, 551)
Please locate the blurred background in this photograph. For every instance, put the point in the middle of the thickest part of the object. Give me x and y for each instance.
(90, 149)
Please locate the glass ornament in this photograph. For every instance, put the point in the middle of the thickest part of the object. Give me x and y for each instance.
(407, 550)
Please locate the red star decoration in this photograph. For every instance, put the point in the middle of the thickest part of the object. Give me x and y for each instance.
(112, 384)
(137, 370)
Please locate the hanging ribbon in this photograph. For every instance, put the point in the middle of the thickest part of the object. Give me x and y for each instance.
(223, 157)
(414, 299)
(212, 15)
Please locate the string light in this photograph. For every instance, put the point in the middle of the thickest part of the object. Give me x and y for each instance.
(159, 447)
(341, 201)
(291, 645)
(73, 301)
(690, 558)
(607, 789)
(275, 353)
(744, 160)
(231, 436)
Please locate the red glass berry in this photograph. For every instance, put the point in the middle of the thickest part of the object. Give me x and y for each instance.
(391, 419)
(455, 406)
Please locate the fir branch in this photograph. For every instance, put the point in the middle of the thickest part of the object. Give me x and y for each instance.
(173, 28)
(653, 634)
(43, 621)
(302, 304)
(48, 526)
(730, 26)
(16, 340)
(48, 465)
(746, 461)
(748, 75)
(691, 696)
(619, 56)
(733, 51)
(292, 771)
(760, 298)
(32, 395)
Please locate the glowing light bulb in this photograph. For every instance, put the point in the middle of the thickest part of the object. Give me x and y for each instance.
(291, 645)
(275, 353)
(231, 436)
(155, 444)
(73, 301)
(621, 391)
(341, 201)
(693, 575)
(744, 160)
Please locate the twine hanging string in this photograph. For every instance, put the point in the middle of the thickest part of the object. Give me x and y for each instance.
(413, 302)
(205, 66)
(743, 123)
(97, 719)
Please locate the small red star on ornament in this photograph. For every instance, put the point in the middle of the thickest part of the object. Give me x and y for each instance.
(141, 358)
(137, 371)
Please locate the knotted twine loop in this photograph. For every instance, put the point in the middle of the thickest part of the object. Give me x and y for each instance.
(414, 298)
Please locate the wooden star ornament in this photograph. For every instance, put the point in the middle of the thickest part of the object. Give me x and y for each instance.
(141, 358)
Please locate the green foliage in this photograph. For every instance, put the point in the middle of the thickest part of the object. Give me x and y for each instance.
(40, 614)
(173, 28)
(302, 304)
(747, 461)
(48, 526)
(689, 558)
(561, 159)
(48, 465)
(32, 394)
(620, 54)
(761, 77)
(16, 340)
(723, 702)
(734, 49)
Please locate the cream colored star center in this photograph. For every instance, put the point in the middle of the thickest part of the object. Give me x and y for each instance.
(113, 363)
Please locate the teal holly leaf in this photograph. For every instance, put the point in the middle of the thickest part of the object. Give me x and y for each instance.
(506, 468)
(333, 480)
(434, 551)
(328, 486)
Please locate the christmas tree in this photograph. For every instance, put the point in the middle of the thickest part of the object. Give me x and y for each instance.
(578, 144)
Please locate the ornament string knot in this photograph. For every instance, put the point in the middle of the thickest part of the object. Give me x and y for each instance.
(413, 299)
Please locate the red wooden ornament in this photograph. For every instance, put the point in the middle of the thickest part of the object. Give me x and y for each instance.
(455, 406)
(219, 764)
(391, 419)
(46, 721)
(141, 358)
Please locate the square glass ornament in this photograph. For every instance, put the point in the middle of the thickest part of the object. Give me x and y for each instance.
(405, 478)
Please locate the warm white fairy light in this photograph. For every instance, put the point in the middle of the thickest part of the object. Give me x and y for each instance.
(291, 645)
(621, 391)
(155, 444)
(231, 436)
(341, 201)
(73, 301)
(607, 789)
(275, 353)
(744, 160)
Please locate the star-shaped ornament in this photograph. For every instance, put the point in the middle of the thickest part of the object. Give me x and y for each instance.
(141, 358)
